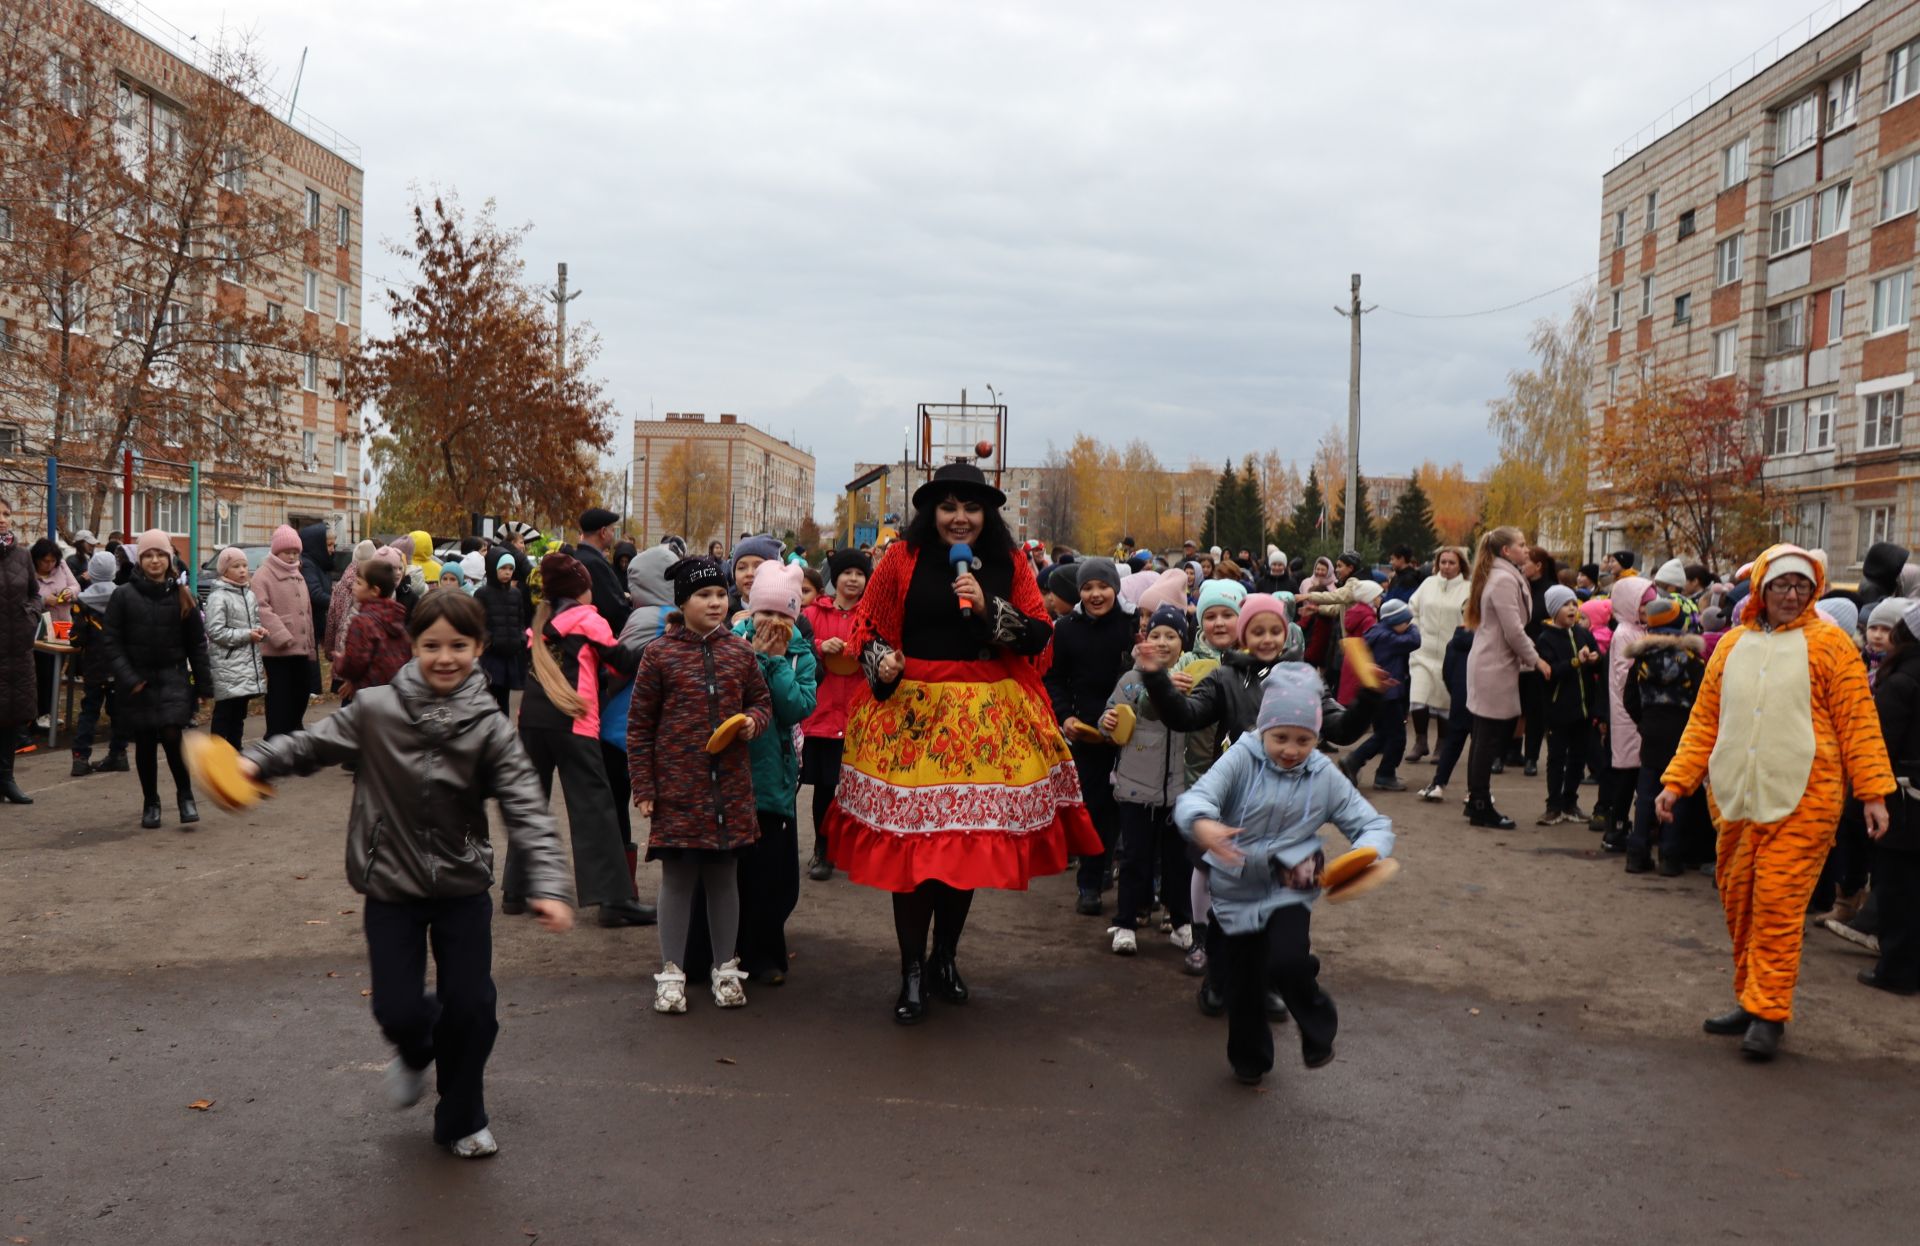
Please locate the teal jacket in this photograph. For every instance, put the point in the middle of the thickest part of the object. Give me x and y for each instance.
(792, 680)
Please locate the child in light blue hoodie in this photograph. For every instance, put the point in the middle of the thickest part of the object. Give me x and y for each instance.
(1257, 813)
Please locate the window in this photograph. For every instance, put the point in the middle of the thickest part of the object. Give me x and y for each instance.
(226, 523)
(130, 313)
(313, 208)
(232, 268)
(1890, 302)
(1796, 126)
(273, 313)
(170, 511)
(339, 455)
(173, 323)
(1733, 165)
(1843, 100)
(1653, 210)
(67, 308)
(1620, 228)
(310, 373)
(1837, 314)
(309, 449)
(6, 224)
(1786, 327)
(1876, 525)
(1613, 384)
(1646, 296)
(274, 396)
(1683, 309)
(1726, 261)
(312, 303)
(232, 356)
(1726, 352)
(1836, 204)
(1899, 187)
(1614, 321)
(340, 302)
(1880, 419)
(233, 169)
(1820, 423)
(11, 441)
(343, 226)
(1903, 73)
(8, 342)
(1686, 223)
(1792, 227)
(1779, 427)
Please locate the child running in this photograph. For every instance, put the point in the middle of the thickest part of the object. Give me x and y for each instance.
(690, 681)
(429, 749)
(1257, 814)
(1392, 641)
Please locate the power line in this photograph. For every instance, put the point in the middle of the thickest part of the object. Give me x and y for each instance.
(1532, 298)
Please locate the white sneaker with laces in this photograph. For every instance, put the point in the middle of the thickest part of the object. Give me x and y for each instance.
(1433, 792)
(405, 1085)
(726, 982)
(1182, 937)
(670, 989)
(1124, 941)
(476, 1145)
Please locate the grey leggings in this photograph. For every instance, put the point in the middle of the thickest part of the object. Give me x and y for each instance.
(679, 879)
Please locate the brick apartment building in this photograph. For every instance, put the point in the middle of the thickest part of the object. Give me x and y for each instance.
(1771, 236)
(767, 483)
(310, 170)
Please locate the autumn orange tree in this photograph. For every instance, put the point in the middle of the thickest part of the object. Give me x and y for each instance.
(477, 413)
(690, 494)
(1685, 458)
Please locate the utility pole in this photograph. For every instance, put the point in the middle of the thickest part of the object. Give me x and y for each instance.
(1352, 312)
(560, 299)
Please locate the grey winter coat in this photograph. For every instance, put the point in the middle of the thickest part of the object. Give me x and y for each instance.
(1152, 766)
(232, 652)
(426, 766)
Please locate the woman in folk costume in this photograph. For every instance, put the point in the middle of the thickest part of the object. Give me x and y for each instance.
(1784, 728)
(955, 776)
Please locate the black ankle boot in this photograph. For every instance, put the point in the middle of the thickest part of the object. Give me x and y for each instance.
(81, 766)
(150, 816)
(10, 792)
(189, 812)
(943, 976)
(911, 1007)
(1482, 813)
(1762, 1042)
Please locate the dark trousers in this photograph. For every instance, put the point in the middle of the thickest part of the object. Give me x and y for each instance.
(146, 762)
(1095, 765)
(613, 761)
(230, 719)
(1452, 744)
(1648, 829)
(1566, 757)
(1491, 738)
(91, 702)
(599, 863)
(289, 684)
(1388, 741)
(1896, 885)
(454, 1025)
(821, 760)
(1149, 838)
(1280, 958)
(1626, 782)
(769, 879)
(1533, 707)
(43, 688)
(503, 697)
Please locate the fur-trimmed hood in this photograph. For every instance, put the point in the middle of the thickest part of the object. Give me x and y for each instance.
(1650, 641)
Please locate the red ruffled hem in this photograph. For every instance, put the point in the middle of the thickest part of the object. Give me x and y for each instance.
(968, 860)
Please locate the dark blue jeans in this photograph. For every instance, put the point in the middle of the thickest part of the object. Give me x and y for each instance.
(1654, 756)
(96, 696)
(1388, 741)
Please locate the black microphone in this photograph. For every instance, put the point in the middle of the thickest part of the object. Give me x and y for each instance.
(961, 556)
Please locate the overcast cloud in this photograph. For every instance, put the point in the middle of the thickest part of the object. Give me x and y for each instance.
(1131, 219)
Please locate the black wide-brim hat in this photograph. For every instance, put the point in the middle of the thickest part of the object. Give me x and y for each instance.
(961, 480)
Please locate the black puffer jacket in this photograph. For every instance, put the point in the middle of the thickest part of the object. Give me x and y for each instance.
(316, 568)
(1662, 684)
(149, 641)
(19, 616)
(1228, 702)
(1880, 574)
(1089, 657)
(509, 611)
(1896, 694)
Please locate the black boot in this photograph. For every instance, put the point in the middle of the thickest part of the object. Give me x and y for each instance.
(1639, 860)
(943, 976)
(1729, 1024)
(115, 762)
(1212, 1002)
(189, 812)
(1482, 813)
(150, 816)
(1762, 1042)
(911, 1007)
(10, 792)
(627, 913)
(81, 767)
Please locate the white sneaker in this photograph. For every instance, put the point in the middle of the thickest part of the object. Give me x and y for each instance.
(405, 1085)
(1124, 942)
(670, 989)
(1433, 792)
(476, 1145)
(1182, 937)
(726, 982)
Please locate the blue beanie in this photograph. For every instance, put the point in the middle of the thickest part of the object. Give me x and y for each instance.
(1229, 593)
(1175, 618)
(757, 547)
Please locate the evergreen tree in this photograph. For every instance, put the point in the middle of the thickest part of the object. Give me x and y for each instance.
(1222, 520)
(1252, 530)
(1411, 523)
(1303, 534)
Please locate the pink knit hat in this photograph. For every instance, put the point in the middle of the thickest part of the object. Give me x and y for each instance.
(284, 537)
(1258, 603)
(1169, 590)
(153, 539)
(392, 557)
(776, 589)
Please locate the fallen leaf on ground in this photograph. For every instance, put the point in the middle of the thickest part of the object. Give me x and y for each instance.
(200, 1105)
(726, 1060)
(1473, 1012)
(316, 921)
(299, 878)
(365, 991)
(333, 973)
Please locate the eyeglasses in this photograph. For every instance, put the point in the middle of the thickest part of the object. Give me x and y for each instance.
(1794, 588)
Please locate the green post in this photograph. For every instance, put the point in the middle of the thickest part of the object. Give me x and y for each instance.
(193, 528)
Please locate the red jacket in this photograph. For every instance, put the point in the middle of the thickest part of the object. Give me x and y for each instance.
(835, 691)
(377, 645)
(1358, 619)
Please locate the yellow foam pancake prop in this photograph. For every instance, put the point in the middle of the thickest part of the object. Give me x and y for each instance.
(1200, 668)
(726, 733)
(1360, 658)
(1123, 730)
(215, 768)
(1372, 878)
(1346, 865)
(1085, 734)
(840, 664)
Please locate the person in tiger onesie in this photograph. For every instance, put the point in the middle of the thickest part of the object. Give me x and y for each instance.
(1783, 724)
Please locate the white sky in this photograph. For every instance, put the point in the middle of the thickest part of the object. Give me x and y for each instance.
(1131, 219)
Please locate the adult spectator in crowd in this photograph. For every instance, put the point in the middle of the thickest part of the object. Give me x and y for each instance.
(609, 590)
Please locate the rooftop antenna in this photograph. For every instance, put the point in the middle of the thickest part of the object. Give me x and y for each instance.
(295, 94)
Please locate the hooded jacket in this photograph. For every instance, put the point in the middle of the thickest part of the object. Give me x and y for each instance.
(1622, 733)
(19, 618)
(652, 599)
(425, 766)
(1392, 652)
(377, 646)
(316, 568)
(1880, 573)
(1662, 682)
(1573, 690)
(151, 648)
(285, 610)
(1279, 813)
(421, 559)
(233, 654)
(792, 681)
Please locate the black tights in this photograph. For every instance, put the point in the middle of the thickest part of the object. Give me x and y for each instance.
(147, 763)
(822, 800)
(931, 903)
